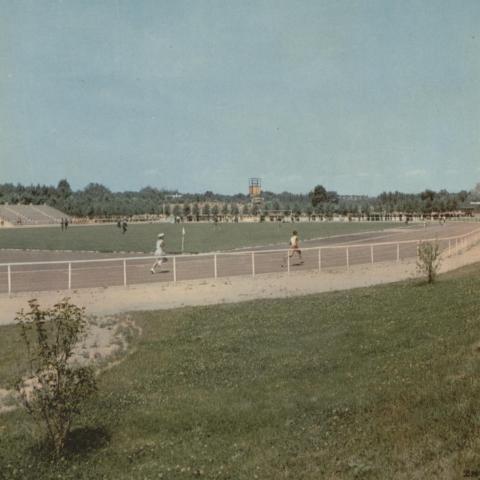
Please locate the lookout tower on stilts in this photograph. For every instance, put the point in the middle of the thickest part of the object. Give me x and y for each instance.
(255, 191)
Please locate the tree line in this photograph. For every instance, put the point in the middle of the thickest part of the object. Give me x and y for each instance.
(96, 200)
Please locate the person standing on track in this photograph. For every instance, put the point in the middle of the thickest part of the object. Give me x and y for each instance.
(159, 253)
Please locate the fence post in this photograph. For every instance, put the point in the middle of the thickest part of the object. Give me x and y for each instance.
(319, 259)
(215, 273)
(69, 275)
(9, 279)
(398, 252)
(371, 253)
(456, 245)
(175, 269)
(124, 272)
(348, 259)
(253, 264)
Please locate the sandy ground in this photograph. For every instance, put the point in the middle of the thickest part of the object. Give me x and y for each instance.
(112, 300)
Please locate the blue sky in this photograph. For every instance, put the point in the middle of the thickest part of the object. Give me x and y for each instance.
(358, 95)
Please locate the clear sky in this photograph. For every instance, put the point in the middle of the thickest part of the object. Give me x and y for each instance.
(358, 95)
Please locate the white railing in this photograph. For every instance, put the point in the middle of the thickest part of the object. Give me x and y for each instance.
(104, 272)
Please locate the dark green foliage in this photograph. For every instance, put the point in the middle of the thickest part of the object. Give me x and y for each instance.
(96, 200)
(319, 195)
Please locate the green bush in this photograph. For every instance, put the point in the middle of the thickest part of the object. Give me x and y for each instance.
(55, 388)
(428, 260)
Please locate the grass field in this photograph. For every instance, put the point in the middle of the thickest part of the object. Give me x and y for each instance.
(198, 238)
(373, 383)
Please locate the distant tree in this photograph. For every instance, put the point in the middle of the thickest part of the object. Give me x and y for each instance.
(452, 204)
(333, 197)
(343, 208)
(167, 209)
(318, 195)
(176, 210)
(206, 211)
(246, 209)
(254, 210)
(234, 209)
(462, 196)
(319, 209)
(428, 195)
(224, 209)
(328, 210)
(63, 188)
(196, 211)
(215, 210)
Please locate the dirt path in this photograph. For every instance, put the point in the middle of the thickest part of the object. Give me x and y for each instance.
(107, 301)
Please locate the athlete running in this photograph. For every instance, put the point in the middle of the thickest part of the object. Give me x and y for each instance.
(159, 253)
(294, 247)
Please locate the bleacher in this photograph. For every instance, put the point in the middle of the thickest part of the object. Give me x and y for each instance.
(51, 212)
(30, 214)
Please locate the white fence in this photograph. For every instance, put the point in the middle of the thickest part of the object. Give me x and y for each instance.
(74, 274)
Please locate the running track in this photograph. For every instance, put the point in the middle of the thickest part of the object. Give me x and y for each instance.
(333, 255)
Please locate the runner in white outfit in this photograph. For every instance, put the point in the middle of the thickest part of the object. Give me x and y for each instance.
(159, 253)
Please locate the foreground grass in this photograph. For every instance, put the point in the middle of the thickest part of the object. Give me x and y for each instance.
(373, 383)
(200, 237)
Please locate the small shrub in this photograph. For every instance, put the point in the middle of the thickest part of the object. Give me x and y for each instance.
(428, 260)
(55, 389)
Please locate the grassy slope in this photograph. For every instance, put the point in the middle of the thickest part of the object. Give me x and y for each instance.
(373, 383)
(199, 237)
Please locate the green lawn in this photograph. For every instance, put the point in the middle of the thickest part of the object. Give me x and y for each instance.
(198, 238)
(375, 383)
